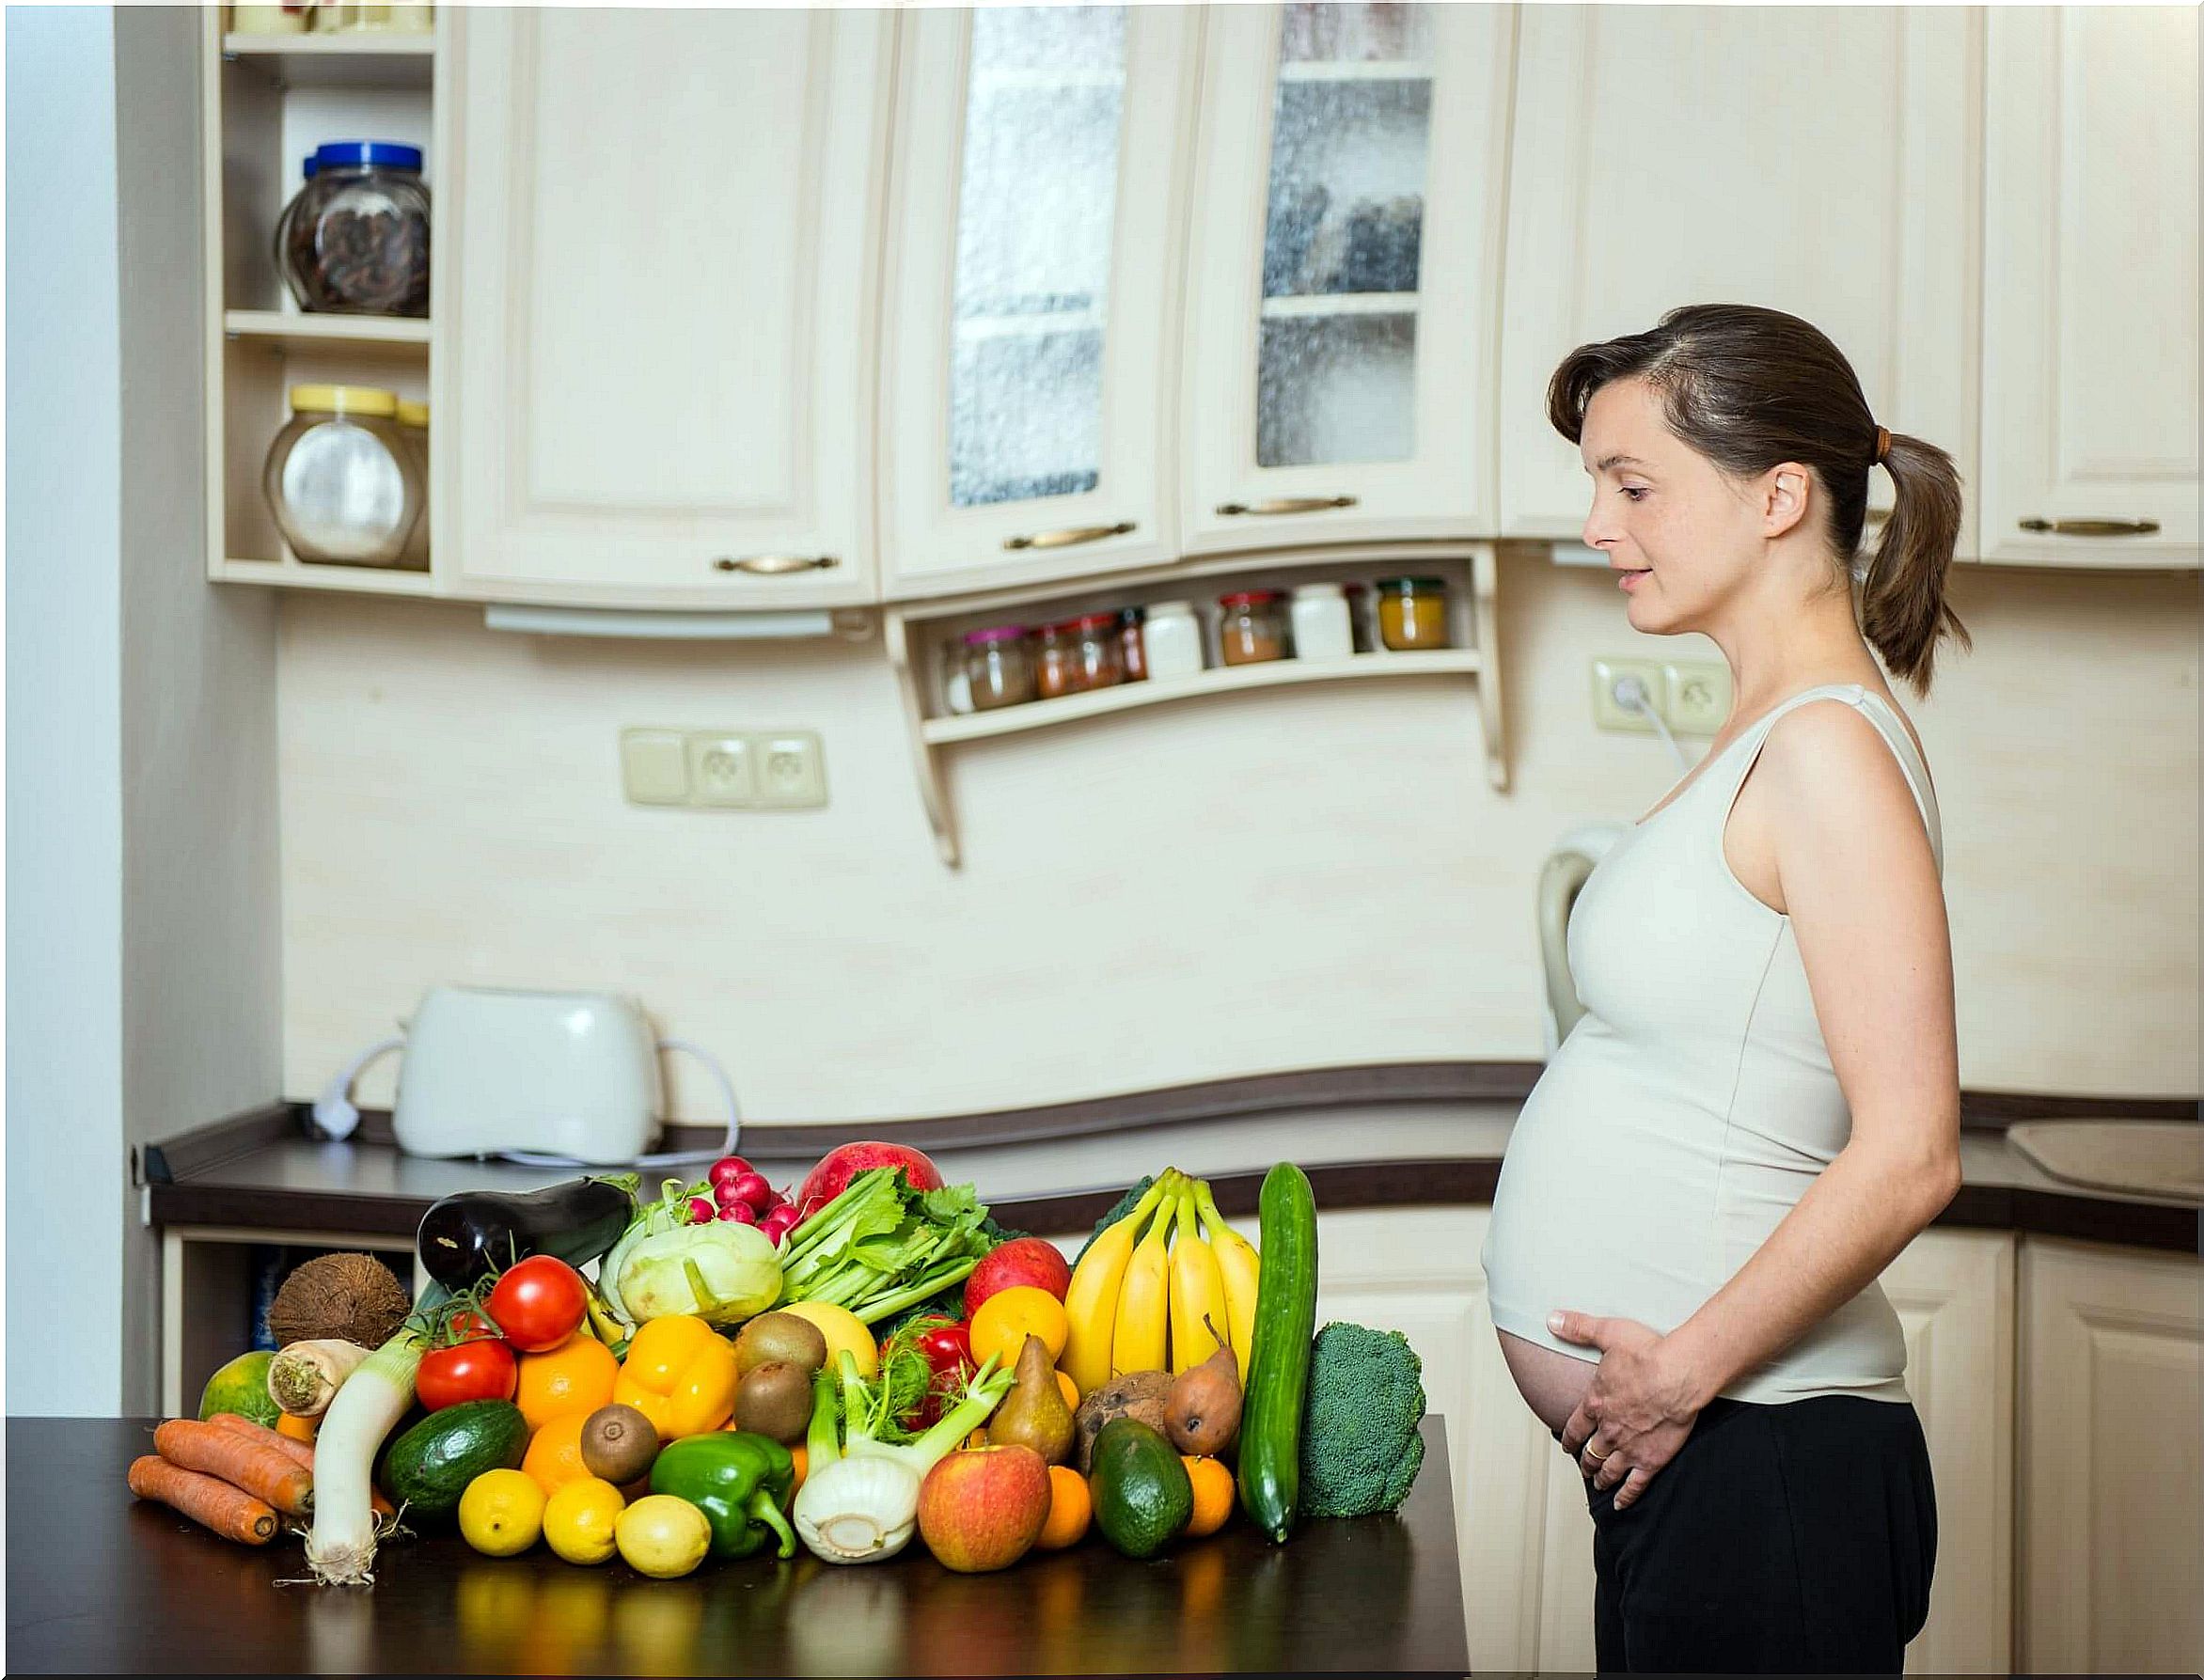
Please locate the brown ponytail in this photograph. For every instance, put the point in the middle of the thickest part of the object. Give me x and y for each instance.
(1749, 389)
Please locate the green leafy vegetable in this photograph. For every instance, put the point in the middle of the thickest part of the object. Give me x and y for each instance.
(1361, 1446)
(881, 1246)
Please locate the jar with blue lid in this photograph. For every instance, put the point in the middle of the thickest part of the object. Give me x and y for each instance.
(354, 240)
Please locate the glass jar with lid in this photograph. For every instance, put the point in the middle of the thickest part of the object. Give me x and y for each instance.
(413, 426)
(1251, 626)
(1320, 626)
(341, 480)
(1170, 640)
(999, 667)
(354, 240)
(1131, 642)
(1412, 613)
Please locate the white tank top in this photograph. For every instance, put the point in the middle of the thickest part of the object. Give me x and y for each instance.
(1692, 1105)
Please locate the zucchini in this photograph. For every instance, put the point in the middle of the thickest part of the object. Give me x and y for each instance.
(426, 1469)
(1278, 1364)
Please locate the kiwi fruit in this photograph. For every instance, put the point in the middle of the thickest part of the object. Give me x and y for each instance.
(779, 1339)
(619, 1445)
(775, 1400)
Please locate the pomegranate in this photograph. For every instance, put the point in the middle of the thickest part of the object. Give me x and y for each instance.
(831, 1176)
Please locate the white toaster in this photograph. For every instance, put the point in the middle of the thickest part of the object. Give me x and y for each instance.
(492, 1072)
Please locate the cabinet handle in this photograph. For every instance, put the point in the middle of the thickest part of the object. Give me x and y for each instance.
(773, 565)
(2092, 527)
(1069, 534)
(1289, 504)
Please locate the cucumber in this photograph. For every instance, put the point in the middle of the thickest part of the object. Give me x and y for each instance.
(1278, 1364)
(428, 1468)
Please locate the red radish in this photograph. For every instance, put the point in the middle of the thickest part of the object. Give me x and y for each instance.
(751, 1187)
(726, 1169)
(739, 1212)
(776, 1223)
(702, 1212)
(831, 1176)
(726, 1193)
(1026, 1260)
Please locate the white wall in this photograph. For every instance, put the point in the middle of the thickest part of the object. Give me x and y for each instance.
(66, 1192)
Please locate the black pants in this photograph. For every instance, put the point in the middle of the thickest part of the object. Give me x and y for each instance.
(1795, 1538)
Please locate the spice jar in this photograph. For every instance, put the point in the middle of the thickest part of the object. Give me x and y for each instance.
(998, 667)
(1099, 662)
(413, 426)
(1412, 613)
(268, 19)
(1320, 626)
(1357, 615)
(355, 238)
(357, 17)
(1251, 627)
(340, 478)
(1131, 650)
(1170, 640)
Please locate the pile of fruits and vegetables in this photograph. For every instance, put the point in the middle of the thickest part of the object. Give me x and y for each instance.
(729, 1371)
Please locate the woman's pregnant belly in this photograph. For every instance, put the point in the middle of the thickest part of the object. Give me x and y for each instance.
(1552, 1385)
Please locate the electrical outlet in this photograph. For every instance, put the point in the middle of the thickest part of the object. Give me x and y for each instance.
(1696, 696)
(654, 766)
(792, 768)
(1608, 712)
(721, 769)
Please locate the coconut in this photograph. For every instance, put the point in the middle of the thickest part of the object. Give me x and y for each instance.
(352, 1297)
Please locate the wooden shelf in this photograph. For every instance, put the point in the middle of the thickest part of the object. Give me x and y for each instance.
(1279, 673)
(363, 580)
(338, 60)
(1374, 69)
(351, 332)
(1323, 303)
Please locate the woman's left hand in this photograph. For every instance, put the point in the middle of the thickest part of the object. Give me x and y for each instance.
(1638, 1411)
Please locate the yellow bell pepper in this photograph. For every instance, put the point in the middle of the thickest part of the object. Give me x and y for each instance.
(680, 1374)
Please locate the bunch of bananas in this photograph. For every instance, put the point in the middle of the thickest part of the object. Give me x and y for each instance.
(1155, 1303)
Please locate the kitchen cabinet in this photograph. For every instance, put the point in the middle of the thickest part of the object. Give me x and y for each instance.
(1822, 161)
(1029, 429)
(665, 239)
(2111, 1423)
(1343, 285)
(2089, 387)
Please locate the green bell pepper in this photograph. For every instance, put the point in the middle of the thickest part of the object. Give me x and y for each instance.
(741, 1482)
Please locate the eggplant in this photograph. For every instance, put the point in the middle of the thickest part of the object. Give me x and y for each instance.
(465, 1237)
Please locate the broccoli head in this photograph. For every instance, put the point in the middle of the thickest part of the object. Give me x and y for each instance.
(1361, 1446)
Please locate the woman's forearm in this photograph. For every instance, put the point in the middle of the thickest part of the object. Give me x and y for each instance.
(1856, 1216)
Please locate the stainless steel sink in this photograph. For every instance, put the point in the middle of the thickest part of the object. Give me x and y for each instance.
(2138, 1157)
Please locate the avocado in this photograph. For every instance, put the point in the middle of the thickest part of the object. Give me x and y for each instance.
(1143, 1498)
(428, 1468)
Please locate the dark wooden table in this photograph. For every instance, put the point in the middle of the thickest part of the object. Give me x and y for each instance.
(100, 1582)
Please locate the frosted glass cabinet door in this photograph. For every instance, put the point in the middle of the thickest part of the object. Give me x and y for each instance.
(1344, 270)
(1039, 188)
(665, 230)
(1818, 160)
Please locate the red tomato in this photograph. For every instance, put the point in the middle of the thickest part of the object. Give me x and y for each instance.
(478, 1370)
(948, 1350)
(539, 1303)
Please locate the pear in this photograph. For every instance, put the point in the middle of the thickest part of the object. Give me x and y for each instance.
(1203, 1413)
(1034, 1413)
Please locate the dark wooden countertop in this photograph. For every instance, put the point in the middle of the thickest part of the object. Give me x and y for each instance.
(98, 1582)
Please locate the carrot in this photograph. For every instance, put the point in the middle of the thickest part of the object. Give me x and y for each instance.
(296, 1429)
(262, 1471)
(230, 1512)
(296, 1450)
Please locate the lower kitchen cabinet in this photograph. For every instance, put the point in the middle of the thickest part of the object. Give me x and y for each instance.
(2110, 1421)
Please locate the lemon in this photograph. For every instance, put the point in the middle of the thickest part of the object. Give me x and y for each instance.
(501, 1514)
(578, 1520)
(842, 1328)
(663, 1536)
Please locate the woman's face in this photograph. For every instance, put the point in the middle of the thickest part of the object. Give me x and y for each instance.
(1664, 511)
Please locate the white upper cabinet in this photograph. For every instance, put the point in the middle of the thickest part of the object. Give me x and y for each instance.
(666, 241)
(1343, 285)
(2089, 301)
(1820, 161)
(1028, 423)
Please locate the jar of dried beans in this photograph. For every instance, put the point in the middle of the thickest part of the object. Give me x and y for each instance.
(355, 238)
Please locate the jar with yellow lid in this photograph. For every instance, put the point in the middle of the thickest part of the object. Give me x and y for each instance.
(413, 425)
(1411, 614)
(342, 480)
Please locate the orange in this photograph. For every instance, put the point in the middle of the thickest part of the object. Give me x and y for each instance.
(1071, 1390)
(555, 1454)
(803, 1465)
(1069, 1507)
(1213, 1495)
(1006, 1318)
(576, 1377)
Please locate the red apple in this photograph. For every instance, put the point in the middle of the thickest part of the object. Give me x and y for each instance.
(831, 1176)
(983, 1508)
(1027, 1260)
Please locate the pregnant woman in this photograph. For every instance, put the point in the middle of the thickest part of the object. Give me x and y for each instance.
(1760, 1107)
